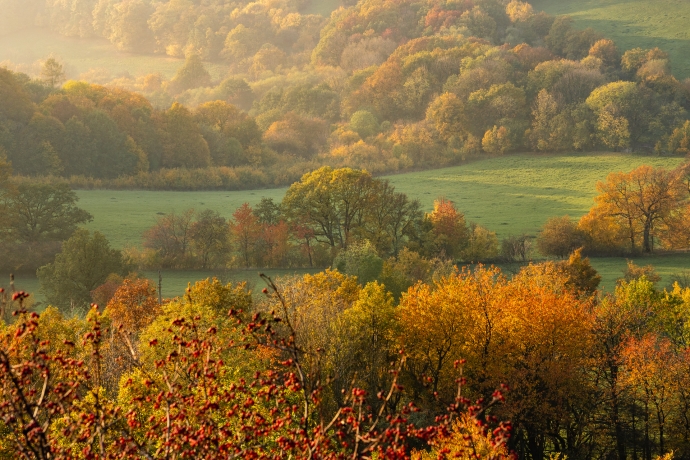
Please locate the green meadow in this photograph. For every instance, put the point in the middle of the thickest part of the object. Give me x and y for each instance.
(634, 23)
(510, 195)
(81, 55)
(322, 7)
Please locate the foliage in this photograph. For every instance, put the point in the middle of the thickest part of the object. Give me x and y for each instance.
(82, 265)
(559, 237)
(641, 202)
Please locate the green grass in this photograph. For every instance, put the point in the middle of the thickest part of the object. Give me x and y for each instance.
(634, 23)
(612, 268)
(513, 194)
(517, 193)
(123, 216)
(322, 7)
(80, 55)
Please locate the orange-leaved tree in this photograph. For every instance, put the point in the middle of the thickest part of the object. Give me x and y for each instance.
(641, 201)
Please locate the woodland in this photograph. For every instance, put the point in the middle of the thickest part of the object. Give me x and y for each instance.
(383, 86)
(408, 343)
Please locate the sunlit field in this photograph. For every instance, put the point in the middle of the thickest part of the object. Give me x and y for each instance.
(81, 55)
(510, 195)
(634, 23)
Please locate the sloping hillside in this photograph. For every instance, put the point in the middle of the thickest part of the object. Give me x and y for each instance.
(634, 23)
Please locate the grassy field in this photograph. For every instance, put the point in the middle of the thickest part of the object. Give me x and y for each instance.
(123, 216)
(612, 268)
(634, 23)
(322, 7)
(80, 55)
(517, 193)
(509, 195)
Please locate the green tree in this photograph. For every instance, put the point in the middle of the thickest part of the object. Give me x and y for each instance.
(183, 144)
(360, 260)
(331, 202)
(52, 72)
(624, 113)
(209, 239)
(41, 212)
(364, 123)
(192, 74)
(84, 263)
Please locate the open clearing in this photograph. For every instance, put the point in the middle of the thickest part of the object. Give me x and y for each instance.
(322, 7)
(26, 47)
(634, 23)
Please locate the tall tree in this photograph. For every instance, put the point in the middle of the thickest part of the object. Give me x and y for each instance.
(41, 212)
(641, 200)
(244, 232)
(52, 72)
(332, 202)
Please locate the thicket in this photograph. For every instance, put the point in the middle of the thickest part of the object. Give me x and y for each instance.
(389, 86)
(219, 372)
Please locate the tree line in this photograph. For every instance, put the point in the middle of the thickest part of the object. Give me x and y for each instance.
(390, 86)
(328, 212)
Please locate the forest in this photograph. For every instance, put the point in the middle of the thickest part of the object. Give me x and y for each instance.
(384, 86)
(404, 332)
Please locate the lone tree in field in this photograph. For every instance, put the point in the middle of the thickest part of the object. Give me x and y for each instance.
(640, 201)
(40, 212)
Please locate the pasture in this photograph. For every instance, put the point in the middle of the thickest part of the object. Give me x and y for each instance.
(322, 7)
(634, 23)
(80, 55)
(510, 195)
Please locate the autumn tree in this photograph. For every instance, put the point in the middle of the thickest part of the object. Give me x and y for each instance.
(559, 237)
(449, 228)
(641, 200)
(171, 238)
(244, 233)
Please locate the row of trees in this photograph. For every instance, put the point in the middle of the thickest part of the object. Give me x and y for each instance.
(115, 387)
(88, 130)
(590, 376)
(325, 213)
(333, 211)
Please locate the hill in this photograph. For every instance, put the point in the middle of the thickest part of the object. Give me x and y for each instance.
(634, 23)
